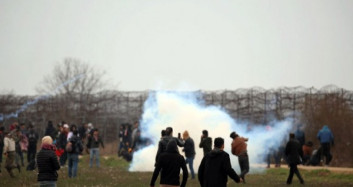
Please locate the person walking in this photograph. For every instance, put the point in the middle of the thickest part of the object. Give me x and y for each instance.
(206, 142)
(73, 152)
(9, 151)
(169, 163)
(325, 137)
(215, 167)
(94, 141)
(47, 163)
(239, 149)
(189, 149)
(294, 154)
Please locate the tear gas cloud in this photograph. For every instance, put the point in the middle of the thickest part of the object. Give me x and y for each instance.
(185, 111)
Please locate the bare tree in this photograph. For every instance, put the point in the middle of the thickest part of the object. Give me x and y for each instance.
(73, 77)
(75, 84)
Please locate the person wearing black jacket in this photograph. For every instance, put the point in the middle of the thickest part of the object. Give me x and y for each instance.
(189, 149)
(215, 167)
(170, 163)
(206, 142)
(50, 130)
(294, 153)
(162, 145)
(47, 163)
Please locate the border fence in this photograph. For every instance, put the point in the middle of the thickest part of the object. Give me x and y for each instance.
(312, 107)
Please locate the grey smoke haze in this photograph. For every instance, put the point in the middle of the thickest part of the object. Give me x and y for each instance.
(208, 44)
(183, 111)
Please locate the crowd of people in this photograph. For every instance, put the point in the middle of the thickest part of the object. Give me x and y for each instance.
(215, 166)
(62, 145)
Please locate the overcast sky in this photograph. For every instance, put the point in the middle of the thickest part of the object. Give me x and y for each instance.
(209, 45)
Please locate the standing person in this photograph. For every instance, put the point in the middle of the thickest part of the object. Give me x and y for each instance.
(162, 145)
(2, 136)
(121, 142)
(127, 136)
(19, 155)
(170, 162)
(300, 135)
(9, 152)
(50, 130)
(239, 148)
(215, 167)
(94, 142)
(325, 137)
(189, 149)
(75, 148)
(134, 134)
(47, 163)
(294, 153)
(206, 142)
(61, 143)
(73, 128)
(82, 131)
(24, 139)
(32, 144)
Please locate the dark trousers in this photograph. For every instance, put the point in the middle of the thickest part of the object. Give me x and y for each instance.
(1, 151)
(326, 152)
(294, 169)
(244, 165)
(31, 153)
(63, 158)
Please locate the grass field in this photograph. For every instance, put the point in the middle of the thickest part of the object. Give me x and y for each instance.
(113, 172)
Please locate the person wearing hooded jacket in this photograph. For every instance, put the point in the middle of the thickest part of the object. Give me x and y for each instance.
(170, 162)
(215, 167)
(325, 137)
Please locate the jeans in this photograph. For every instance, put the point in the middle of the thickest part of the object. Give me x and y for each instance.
(190, 161)
(73, 162)
(47, 183)
(243, 160)
(94, 152)
(294, 169)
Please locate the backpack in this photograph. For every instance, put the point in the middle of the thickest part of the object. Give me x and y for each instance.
(74, 147)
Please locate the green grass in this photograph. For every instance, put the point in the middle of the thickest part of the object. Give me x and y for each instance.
(113, 172)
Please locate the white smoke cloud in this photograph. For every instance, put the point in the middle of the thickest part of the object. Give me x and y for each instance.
(184, 111)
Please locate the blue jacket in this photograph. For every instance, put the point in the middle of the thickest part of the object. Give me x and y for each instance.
(325, 135)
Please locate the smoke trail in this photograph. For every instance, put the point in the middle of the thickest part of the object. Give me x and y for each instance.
(184, 111)
(29, 103)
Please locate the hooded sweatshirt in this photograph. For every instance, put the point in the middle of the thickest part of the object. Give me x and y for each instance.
(325, 135)
(215, 168)
(170, 163)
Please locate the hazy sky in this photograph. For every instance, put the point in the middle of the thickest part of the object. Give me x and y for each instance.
(210, 45)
